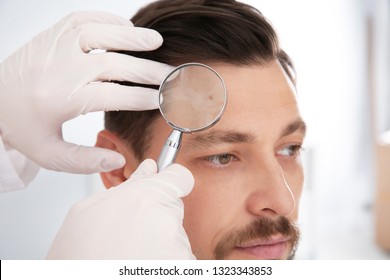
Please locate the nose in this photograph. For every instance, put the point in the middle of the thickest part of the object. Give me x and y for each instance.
(270, 195)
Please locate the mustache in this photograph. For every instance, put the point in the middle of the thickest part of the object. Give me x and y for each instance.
(262, 228)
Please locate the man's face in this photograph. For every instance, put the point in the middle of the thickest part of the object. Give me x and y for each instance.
(247, 168)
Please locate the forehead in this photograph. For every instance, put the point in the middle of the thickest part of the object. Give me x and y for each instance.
(257, 95)
(261, 103)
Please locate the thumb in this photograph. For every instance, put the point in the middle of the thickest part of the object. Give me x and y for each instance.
(175, 179)
(147, 168)
(72, 158)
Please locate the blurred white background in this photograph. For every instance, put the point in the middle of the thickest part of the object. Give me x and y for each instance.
(340, 49)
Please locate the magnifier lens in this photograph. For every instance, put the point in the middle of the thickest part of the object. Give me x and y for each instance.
(192, 97)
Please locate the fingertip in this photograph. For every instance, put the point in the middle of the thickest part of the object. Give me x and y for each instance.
(113, 161)
(105, 96)
(182, 171)
(147, 168)
(155, 38)
(181, 177)
(154, 99)
(135, 98)
(151, 38)
(149, 164)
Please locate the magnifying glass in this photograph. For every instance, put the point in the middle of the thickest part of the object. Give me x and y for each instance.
(192, 98)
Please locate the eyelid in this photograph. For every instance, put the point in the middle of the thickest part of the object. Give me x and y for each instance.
(297, 149)
(208, 160)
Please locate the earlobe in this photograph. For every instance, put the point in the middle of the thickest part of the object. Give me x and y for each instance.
(112, 178)
(108, 140)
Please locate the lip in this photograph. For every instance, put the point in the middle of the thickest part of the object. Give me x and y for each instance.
(271, 249)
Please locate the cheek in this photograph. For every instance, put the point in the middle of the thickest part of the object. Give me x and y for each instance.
(294, 175)
(209, 209)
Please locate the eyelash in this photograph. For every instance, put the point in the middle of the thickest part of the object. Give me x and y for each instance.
(293, 150)
(218, 158)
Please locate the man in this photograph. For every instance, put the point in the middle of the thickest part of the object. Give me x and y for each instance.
(247, 169)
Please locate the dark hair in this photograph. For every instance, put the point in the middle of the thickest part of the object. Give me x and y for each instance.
(203, 31)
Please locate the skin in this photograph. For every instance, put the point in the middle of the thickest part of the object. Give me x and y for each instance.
(237, 179)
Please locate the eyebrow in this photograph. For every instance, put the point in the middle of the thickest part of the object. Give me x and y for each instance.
(219, 136)
(297, 125)
(212, 138)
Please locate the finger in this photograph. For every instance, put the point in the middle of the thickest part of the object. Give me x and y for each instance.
(115, 37)
(68, 157)
(147, 168)
(82, 17)
(112, 97)
(175, 180)
(120, 67)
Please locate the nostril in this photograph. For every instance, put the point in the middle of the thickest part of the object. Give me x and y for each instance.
(270, 194)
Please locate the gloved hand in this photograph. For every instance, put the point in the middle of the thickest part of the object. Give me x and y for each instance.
(53, 79)
(140, 219)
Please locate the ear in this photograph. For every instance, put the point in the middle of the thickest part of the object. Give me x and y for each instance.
(109, 140)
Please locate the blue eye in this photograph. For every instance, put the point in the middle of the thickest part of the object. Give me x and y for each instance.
(290, 151)
(221, 159)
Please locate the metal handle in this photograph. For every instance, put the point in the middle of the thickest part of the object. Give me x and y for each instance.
(170, 149)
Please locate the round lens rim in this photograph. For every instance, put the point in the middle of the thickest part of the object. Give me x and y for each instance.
(185, 129)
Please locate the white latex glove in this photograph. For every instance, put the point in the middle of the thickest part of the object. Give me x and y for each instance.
(49, 81)
(140, 219)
